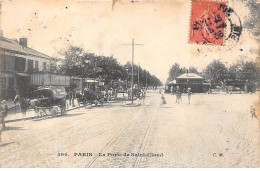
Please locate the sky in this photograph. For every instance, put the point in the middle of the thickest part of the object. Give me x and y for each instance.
(104, 26)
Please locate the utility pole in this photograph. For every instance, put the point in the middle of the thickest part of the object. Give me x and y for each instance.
(138, 72)
(146, 78)
(132, 77)
(95, 77)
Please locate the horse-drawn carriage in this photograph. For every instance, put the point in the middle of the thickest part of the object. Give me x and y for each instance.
(90, 97)
(49, 101)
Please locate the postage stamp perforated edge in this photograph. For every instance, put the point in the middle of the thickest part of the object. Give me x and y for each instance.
(189, 32)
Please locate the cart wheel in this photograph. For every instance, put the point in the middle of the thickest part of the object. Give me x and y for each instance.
(54, 113)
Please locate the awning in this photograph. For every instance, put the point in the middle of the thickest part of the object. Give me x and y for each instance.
(23, 74)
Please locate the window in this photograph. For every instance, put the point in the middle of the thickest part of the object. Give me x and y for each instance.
(36, 64)
(19, 64)
(3, 63)
(30, 65)
(3, 82)
(44, 65)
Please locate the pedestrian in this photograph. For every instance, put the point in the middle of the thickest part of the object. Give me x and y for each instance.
(163, 101)
(189, 94)
(73, 98)
(4, 111)
(179, 97)
(22, 103)
(252, 111)
(177, 93)
(78, 95)
(123, 98)
(143, 96)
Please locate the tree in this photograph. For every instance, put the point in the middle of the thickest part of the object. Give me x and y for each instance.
(216, 72)
(111, 69)
(250, 71)
(243, 71)
(144, 76)
(55, 66)
(79, 63)
(234, 72)
(175, 71)
(192, 69)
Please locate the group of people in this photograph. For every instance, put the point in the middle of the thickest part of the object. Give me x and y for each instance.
(91, 96)
(138, 93)
(178, 93)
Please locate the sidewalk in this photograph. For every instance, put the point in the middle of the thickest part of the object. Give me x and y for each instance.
(30, 114)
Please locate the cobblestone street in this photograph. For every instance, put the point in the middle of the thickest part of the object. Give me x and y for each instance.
(215, 130)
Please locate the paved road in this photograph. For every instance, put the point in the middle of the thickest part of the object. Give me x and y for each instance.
(213, 131)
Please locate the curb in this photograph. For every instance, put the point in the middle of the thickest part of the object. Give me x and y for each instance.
(131, 105)
(15, 120)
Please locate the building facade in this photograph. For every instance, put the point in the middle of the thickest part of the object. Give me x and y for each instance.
(17, 62)
(188, 80)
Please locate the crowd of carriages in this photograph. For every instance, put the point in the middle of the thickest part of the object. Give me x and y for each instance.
(53, 101)
(87, 97)
(90, 97)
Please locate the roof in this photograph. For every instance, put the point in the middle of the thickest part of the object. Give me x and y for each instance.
(13, 45)
(91, 81)
(189, 76)
(172, 82)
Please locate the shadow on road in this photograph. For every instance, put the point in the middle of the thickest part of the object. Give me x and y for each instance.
(165, 107)
(9, 128)
(72, 115)
(5, 144)
(50, 117)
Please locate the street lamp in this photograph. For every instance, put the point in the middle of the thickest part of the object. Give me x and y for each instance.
(84, 61)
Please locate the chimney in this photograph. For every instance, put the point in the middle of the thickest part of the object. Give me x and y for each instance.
(1, 33)
(23, 42)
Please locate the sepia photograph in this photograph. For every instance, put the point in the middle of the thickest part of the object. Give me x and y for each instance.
(129, 84)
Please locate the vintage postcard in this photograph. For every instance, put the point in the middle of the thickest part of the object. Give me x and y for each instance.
(129, 84)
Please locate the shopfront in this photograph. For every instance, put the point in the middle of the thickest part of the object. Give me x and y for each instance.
(7, 85)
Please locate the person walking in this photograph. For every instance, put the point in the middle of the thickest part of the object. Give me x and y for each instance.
(163, 101)
(78, 97)
(189, 94)
(4, 110)
(143, 96)
(252, 111)
(22, 103)
(178, 94)
(123, 99)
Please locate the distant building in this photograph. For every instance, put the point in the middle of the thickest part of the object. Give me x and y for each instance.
(17, 61)
(188, 80)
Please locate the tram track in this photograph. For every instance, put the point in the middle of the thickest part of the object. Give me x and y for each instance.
(135, 122)
(52, 137)
(142, 148)
(84, 140)
(142, 145)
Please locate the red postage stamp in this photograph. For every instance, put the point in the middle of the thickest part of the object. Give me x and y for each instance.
(207, 22)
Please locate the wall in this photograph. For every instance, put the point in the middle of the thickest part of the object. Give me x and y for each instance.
(40, 79)
(39, 59)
